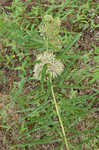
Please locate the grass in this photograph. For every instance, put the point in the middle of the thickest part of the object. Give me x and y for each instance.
(63, 113)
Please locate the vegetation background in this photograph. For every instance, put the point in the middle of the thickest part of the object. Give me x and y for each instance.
(28, 118)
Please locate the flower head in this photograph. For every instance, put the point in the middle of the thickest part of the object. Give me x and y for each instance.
(49, 29)
(54, 66)
(48, 18)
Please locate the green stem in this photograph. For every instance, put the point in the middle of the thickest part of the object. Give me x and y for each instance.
(59, 117)
(46, 43)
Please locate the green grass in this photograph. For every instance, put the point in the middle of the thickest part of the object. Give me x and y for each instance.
(36, 114)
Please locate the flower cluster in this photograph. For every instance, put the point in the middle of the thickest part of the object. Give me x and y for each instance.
(54, 66)
(49, 29)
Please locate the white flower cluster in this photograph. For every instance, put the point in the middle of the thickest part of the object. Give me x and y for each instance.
(54, 66)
